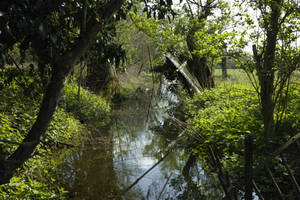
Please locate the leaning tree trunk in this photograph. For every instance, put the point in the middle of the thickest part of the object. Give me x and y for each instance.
(62, 66)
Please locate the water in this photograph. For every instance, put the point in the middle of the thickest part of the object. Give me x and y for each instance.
(113, 157)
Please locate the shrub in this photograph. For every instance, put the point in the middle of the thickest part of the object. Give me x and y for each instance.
(222, 116)
(18, 188)
(17, 115)
(90, 107)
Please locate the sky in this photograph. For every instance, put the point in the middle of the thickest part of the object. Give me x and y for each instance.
(255, 16)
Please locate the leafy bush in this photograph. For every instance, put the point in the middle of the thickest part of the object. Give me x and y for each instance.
(90, 107)
(222, 116)
(18, 188)
(290, 124)
(18, 112)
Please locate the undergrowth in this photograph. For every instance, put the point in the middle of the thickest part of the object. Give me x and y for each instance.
(221, 117)
(20, 97)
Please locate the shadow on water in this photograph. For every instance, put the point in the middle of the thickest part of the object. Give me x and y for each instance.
(116, 155)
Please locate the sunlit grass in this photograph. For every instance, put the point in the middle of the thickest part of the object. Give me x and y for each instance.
(239, 77)
(235, 77)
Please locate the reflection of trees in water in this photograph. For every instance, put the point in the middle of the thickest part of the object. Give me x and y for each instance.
(197, 184)
(90, 173)
(131, 135)
(113, 157)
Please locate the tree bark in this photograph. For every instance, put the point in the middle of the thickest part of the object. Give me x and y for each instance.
(62, 66)
(102, 77)
(266, 69)
(198, 65)
(224, 68)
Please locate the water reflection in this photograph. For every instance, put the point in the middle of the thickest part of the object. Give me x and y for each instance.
(116, 155)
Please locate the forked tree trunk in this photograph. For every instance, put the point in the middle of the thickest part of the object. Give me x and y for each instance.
(265, 69)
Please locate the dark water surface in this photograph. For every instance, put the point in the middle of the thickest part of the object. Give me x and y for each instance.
(116, 155)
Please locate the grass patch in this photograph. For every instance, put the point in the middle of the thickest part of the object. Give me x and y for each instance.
(235, 77)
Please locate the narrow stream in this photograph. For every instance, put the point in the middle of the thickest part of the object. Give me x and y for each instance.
(115, 156)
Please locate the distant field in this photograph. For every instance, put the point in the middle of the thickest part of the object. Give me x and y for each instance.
(238, 76)
(235, 76)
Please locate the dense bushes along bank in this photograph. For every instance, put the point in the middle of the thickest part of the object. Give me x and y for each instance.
(19, 104)
(221, 117)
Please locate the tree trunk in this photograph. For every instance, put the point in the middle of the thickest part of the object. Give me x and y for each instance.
(40, 126)
(102, 78)
(224, 68)
(62, 66)
(198, 65)
(265, 70)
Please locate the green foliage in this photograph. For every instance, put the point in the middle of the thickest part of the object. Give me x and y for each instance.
(223, 115)
(289, 118)
(162, 32)
(18, 107)
(18, 111)
(18, 188)
(193, 34)
(89, 108)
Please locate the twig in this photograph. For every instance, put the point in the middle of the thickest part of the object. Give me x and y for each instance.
(257, 190)
(248, 166)
(287, 144)
(140, 70)
(10, 142)
(220, 173)
(267, 160)
(15, 63)
(65, 144)
(79, 80)
(170, 148)
(20, 144)
(164, 187)
(275, 183)
(296, 185)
